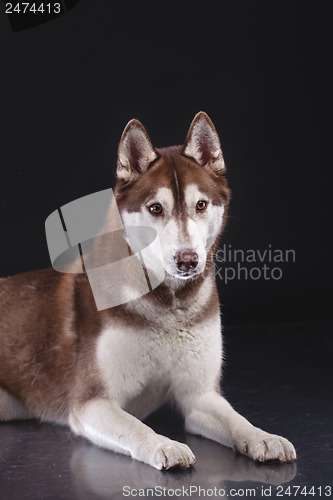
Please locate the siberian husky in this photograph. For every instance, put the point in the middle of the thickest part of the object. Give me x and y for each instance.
(103, 372)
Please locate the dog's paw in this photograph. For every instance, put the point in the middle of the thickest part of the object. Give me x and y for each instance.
(173, 454)
(262, 446)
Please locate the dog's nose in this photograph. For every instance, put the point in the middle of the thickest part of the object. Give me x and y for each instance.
(186, 260)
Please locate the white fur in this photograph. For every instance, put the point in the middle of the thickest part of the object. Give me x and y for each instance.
(174, 360)
(197, 235)
(142, 369)
(164, 195)
(204, 227)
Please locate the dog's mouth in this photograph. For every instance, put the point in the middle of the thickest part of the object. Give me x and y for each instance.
(185, 275)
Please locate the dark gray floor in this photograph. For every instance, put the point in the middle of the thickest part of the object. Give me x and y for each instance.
(280, 377)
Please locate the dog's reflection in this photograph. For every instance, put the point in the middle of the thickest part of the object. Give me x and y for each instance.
(105, 474)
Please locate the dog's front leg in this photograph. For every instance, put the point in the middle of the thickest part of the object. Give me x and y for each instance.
(106, 424)
(211, 416)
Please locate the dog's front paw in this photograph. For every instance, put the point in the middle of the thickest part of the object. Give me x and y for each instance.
(262, 446)
(172, 454)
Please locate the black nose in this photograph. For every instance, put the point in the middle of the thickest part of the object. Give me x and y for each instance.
(186, 260)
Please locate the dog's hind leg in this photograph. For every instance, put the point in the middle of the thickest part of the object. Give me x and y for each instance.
(11, 408)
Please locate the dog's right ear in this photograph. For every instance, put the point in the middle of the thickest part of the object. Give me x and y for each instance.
(135, 152)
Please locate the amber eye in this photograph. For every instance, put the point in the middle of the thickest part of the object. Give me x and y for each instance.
(156, 209)
(201, 206)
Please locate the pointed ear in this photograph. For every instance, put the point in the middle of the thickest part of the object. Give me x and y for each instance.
(203, 144)
(135, 152)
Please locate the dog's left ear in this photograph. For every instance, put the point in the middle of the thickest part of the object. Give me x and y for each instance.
(203, 144)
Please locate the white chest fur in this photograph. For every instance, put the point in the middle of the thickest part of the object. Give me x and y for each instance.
(142, 368)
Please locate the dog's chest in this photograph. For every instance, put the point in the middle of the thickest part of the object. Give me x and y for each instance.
(132, 351)
(136, 362)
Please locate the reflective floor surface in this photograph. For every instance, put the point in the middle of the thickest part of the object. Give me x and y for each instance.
(279, 377)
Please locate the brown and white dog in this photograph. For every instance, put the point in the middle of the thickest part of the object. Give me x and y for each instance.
(103, 372)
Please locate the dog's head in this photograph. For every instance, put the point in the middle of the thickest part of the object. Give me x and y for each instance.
(180, 191)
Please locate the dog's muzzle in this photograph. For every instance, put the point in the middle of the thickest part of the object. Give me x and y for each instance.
(186, 261)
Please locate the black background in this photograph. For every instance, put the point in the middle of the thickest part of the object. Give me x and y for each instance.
(262, 71)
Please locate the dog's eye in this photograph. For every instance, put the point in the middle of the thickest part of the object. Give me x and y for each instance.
(156, 209)
(201, 206)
